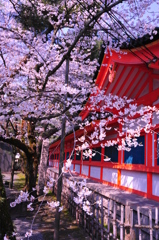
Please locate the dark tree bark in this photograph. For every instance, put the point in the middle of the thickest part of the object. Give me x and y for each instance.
(31, 158)
(59, 186)
(12, 169)
(33, 161)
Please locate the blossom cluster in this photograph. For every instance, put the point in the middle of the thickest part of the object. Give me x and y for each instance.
(82, 193)
(23, 197)
(132, 119)
(26, 69)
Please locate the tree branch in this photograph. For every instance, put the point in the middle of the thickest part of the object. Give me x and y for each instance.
(17, 143)
(94, 18)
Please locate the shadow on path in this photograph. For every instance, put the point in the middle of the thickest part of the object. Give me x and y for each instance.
(43, 227)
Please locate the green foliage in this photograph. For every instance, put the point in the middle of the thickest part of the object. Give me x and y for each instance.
(31, 20)
(96, 51)
(67, 214)
(6, 226)
(52, 195)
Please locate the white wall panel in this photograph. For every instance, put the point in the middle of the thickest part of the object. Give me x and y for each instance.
(153, 150)
(134, 180)
(146, 147)
(95, 172)
(155, 184)
(51, 164)
(85, 170)
(77, 168)
(110, 175)
(155, 118)
(71, 168)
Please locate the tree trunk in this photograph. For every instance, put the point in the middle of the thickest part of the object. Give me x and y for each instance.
(33, 159)
(30, 180)
(59, 185)
(29, 155)
(12, 169)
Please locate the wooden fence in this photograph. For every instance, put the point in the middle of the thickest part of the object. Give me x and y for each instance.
(112, 220)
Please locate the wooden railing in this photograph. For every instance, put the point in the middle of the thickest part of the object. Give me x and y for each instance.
(112, 220)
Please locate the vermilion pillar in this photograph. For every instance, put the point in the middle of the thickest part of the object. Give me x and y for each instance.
(149, 163)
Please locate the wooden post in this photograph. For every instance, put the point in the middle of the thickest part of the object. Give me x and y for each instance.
(114, 220)
(102, 220)
(122, 223)
(97, 216)
(150, 222)
(132, 231)
(108, 221)
(59, 186)
(139, 222)
(127, 222)
(92, 221)
(156, 221)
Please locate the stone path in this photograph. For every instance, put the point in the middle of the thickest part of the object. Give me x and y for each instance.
(43, 227)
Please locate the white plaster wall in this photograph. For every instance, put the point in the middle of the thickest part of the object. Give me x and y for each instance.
(71, 168)
(153, 150)
(85, 170)
(51, 164)
(134, 180)
(110, 175)
(77, 168)
(155, 184)
(155, 118)
(146, 147)
(95, 172)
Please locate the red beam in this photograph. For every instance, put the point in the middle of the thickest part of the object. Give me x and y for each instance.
(104, 69)
(138, 55)
(149, 99)
(156, 76)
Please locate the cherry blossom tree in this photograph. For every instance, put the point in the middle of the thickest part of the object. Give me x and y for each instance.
(48, 60)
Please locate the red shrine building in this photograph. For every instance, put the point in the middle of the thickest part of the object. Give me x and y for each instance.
(134, 73)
